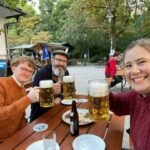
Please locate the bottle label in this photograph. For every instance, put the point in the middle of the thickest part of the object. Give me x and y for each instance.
(71, 127)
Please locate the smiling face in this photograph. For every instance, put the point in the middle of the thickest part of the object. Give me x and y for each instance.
(137, 69)
(59, 63)
(23, 72)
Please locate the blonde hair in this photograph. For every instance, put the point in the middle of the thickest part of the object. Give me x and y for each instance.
(17, 61)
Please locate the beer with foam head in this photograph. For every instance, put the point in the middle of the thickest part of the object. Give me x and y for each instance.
(68, 87)
(46, 95)
(98, 100)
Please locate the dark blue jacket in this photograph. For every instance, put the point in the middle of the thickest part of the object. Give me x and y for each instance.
(44, 73)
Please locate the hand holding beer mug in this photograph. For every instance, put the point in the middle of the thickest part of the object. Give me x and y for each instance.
(68, 87)
(46, 95)
(98, 100)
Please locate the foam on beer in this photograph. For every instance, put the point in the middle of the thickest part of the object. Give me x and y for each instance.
(46, 83)
(98, 89)
(68, 79)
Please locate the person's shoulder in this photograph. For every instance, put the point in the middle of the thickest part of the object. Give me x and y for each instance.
(3, 78)
(43, 73)
(6, 80)
(132, 93)
(46, 68)
(111, 59)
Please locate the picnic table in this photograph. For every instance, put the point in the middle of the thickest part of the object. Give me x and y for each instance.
(113, 129)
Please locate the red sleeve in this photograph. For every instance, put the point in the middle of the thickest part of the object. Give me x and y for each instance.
(112, 65)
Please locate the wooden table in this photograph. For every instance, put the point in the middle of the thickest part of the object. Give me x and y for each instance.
(26, 136)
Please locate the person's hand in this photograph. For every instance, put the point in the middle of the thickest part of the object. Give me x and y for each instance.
(34, 94)
(57, 100)
(57, 87)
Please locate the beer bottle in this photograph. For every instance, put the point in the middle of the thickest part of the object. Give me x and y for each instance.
(74, 119)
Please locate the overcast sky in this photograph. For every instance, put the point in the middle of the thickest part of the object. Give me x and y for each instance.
(35, 4)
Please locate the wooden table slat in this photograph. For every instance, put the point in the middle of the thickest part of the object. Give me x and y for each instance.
(26, 136)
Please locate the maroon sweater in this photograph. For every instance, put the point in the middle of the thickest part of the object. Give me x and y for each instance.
(138, 107)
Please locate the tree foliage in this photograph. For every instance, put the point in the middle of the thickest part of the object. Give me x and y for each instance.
(42, 37)
(14, 3)
(83, 23)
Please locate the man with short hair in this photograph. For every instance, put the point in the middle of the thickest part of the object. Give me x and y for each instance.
(55, 72)
(14, 98)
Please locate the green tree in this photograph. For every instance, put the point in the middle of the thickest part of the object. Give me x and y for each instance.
(42, 37)
(26, 30)
(83, 23)
(21, 32)
(89, 17)
(14, 3)
(53, 16)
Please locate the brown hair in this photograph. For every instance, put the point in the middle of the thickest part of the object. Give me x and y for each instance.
(18, 60)
(116, 54)
(145, 43)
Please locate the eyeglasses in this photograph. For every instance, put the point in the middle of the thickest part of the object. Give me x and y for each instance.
(61, 60)
(25, 70)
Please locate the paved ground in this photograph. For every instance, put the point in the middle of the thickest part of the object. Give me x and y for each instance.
(82, 75)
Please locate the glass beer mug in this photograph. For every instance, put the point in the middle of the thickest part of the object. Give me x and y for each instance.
(46, 95)
(98, 100)
(68, 87)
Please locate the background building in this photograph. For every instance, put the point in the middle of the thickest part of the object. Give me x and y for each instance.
(6, 13)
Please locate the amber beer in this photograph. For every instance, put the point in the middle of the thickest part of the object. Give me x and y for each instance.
(98, 101)
(46, 95)
(68, 87)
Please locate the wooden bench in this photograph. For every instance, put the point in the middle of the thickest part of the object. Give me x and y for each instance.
(123, 83)
(120, 72)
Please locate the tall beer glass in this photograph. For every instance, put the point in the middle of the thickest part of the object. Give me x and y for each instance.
(46, 95)
(98, 100)
(68, 87)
